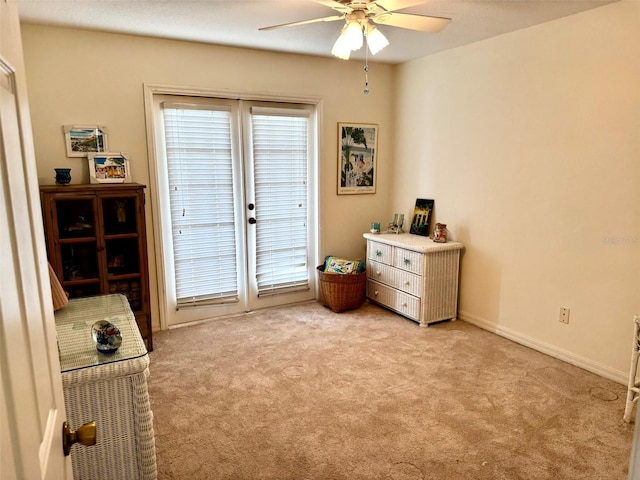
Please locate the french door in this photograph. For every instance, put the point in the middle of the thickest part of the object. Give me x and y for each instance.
(235, 187)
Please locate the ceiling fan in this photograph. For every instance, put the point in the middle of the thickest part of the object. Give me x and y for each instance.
(359, 17)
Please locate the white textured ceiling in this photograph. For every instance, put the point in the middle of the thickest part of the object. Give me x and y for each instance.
(236, 22)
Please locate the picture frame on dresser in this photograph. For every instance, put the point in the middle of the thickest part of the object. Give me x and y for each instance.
(80, 140)
(357, 158)
(421, 220)
(109, 167)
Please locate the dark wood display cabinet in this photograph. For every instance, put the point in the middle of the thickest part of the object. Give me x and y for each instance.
(97, 243)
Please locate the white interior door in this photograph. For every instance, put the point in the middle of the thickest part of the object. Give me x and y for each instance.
(31, 399)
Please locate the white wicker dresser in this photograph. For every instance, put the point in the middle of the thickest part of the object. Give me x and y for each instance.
(413, 275)
(110, 389)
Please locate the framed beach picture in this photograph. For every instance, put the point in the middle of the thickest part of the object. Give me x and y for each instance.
(421, 220)
(109, 168)
(357, 158)
(82, 140)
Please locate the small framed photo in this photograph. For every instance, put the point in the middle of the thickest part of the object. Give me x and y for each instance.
(421, 220)
(357, 158)
(82, 140)
(109, 167)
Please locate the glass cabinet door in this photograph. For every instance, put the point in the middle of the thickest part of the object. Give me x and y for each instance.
(119, 217)
(76, 217)
(76, 225)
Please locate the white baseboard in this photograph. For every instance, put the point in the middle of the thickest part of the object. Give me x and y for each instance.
(548, 349)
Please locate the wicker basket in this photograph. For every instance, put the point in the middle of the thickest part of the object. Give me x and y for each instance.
(341, 292)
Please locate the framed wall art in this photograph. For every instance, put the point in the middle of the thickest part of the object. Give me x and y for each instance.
(357, 158)
(421, 220)
(109, 167)
(82, 140)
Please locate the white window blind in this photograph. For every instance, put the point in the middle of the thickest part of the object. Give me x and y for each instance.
(280, 156)
(199, 157)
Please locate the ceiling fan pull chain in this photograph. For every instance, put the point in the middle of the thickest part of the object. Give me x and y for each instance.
(366, 79)
(366, 67)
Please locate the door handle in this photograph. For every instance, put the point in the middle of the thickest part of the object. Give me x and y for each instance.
(85, 435)
(252, 220)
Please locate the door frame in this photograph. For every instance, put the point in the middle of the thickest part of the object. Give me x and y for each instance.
(32, 406)
(155, 204)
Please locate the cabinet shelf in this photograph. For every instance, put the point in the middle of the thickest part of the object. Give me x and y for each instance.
(69, 241)
(81, 281)
(122, 276)
(120, 236)
(97, 244)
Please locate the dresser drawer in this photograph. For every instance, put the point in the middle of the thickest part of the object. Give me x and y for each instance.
(405, 304)
(408, 260)
(380, 252)
(399, 279)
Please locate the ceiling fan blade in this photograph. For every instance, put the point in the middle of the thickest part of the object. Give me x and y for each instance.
(305, 22)
(393, 5)
(421, 23)
(335, 5)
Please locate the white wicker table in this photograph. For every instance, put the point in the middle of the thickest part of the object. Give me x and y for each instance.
(110, 389)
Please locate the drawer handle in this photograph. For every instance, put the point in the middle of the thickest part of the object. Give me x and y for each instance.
(378, 272)
(404, 305)
(375, 293)
(407, 261)
(406, 282)
(378, 253)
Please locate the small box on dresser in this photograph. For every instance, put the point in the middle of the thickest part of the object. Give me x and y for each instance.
(413, 276)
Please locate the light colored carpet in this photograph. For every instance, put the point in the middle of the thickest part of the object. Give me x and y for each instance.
(304, 393)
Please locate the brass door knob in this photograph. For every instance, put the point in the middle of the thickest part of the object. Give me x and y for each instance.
(85, 435)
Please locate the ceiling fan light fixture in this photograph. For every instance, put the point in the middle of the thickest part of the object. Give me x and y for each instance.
(375, 39)
(341, 48)
(353, 35)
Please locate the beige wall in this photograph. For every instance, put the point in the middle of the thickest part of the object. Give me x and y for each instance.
(530, 145)
(90, 78)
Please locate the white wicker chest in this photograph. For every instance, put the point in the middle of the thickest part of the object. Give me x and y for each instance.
(110, 389)
(413, 276)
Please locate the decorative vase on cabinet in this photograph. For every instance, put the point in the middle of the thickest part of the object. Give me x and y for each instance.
(413, 276)
(97, 244)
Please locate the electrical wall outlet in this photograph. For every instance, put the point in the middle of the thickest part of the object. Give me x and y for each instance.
(564, 315)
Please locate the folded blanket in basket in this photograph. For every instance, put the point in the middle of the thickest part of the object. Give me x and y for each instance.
(340, 265)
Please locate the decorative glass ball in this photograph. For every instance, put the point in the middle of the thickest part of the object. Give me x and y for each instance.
(107, 336)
